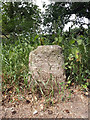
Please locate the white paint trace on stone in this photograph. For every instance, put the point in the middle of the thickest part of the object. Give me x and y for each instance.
(51, 47)
(35, 112)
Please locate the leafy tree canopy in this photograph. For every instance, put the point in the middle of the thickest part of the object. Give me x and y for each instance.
(81, 9)
(20, 17)
(57, 14)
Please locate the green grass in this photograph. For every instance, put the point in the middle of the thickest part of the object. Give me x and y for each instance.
(15, 59)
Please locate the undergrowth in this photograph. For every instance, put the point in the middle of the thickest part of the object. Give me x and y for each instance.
(15, 59)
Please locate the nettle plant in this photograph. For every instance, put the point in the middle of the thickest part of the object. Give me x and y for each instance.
(76, 51)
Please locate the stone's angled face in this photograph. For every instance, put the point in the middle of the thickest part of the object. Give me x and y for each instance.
(47, 60)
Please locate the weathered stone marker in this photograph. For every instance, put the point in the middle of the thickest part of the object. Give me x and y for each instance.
(46, 61)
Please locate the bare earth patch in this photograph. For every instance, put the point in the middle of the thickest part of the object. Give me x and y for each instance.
(74, 107)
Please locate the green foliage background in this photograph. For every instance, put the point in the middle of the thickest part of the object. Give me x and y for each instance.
(21, 34)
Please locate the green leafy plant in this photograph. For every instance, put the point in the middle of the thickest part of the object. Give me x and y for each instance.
(76, 58)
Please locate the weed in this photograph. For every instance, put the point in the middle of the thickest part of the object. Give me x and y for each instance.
(15, 56)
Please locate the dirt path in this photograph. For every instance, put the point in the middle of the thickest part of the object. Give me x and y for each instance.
(76, 107)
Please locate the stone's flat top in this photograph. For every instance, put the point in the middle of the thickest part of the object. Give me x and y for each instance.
(46, 50)
(49, 46)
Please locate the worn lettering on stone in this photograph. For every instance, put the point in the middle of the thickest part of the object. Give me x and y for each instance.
(46, 61)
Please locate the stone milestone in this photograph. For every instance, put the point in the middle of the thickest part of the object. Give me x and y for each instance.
(47, 61)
